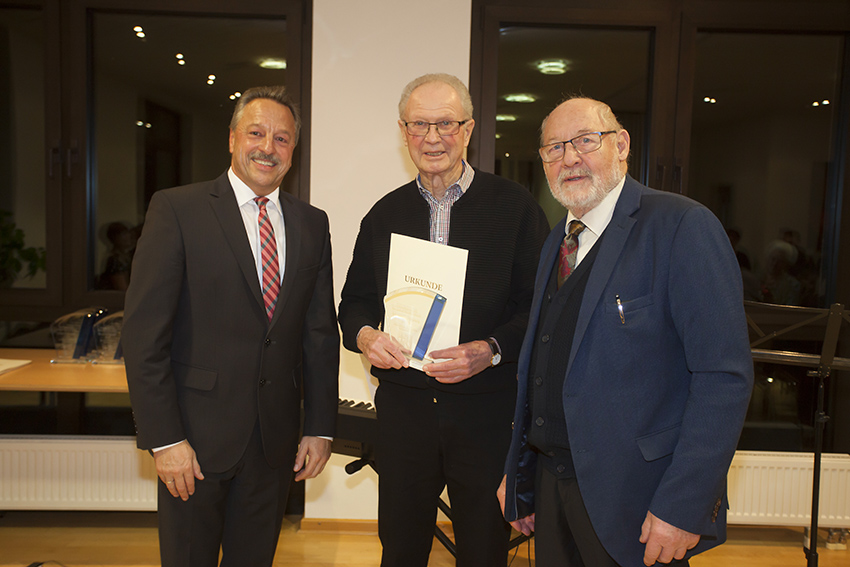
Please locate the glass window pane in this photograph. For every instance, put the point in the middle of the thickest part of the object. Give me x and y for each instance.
(163, 92)
(763, 118)
(23, 231)
(760, 148)
(550, 63)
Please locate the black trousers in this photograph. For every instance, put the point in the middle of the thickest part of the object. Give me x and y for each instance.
(427, 440)
(564, 536)
(239, 512)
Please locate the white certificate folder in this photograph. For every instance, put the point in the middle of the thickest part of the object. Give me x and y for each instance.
(424, 298)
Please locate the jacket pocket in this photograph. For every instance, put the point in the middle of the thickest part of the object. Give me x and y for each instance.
(194, 377)
(659, 444)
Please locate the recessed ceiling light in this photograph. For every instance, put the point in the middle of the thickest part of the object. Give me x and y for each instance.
(273, 63)
(498, 136)
(520, 97)
(137, 29)
(709, 100)
(552, 66)
(505, 118)
(235, 95)
(815, 103)
(140, 34)
(825, 102)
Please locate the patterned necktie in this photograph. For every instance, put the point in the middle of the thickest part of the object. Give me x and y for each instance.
(268, 249)
(569, 252)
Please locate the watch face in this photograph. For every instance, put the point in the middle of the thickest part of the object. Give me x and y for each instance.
(496, 359)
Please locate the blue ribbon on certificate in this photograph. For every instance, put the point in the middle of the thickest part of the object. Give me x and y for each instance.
(430, 324)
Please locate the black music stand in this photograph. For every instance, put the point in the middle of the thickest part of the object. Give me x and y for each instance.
(767, 322)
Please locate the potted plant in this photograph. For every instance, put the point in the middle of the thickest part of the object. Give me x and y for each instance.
(15, 257)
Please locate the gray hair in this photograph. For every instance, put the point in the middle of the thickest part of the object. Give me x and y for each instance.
(450, 80)
(276, 93)
(609, 119)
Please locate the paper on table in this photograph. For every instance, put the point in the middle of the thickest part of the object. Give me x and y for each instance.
(7, 364)
(425, 283)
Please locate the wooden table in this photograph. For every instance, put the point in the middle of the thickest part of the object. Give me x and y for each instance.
(70, 382)
(43, 376)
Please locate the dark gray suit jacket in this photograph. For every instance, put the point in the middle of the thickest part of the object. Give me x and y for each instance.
(203, 361)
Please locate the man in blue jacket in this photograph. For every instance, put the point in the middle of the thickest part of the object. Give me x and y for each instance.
(635, 372)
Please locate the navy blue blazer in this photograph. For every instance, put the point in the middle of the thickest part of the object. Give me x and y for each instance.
(654, 406)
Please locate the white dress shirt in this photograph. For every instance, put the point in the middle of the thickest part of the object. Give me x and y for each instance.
(596, 220)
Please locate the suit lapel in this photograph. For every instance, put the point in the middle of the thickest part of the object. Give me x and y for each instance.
(544, 272)
(616, 235)
(293, 225)
(223, 203)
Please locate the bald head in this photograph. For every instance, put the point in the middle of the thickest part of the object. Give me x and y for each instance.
(580, 181)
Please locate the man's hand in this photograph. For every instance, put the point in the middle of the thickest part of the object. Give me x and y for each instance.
(664, 542)
(312, 456)
(381, 349)
(466, 360)
(522, 525)
(178, 468)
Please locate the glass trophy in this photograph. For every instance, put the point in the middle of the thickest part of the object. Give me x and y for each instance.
(73, 335)
(107, 337)
(412, 316)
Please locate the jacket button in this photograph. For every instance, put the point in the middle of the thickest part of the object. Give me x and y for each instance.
(544, 338)
(560, 468)
(539, 421)
(262, 382)
(538, 380)
(267, 342)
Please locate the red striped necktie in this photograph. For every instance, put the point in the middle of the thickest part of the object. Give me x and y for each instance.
(268, 249)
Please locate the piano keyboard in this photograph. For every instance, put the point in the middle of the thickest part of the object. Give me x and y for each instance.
(356, 430)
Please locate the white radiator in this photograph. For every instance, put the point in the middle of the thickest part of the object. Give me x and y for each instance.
(109, 473)
(776, 489)
(75, 473)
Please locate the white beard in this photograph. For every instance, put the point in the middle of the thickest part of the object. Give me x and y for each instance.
(600, 185)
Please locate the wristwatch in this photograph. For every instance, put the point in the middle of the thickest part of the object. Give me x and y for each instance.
(496, 357)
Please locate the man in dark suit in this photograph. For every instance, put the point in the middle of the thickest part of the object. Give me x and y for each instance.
(229, 320)
(635, 372)
(451, 424)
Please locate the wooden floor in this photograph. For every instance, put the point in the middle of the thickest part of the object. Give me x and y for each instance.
(83, 539)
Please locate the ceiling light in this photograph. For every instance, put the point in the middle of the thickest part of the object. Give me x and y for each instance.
(211, 77)
(235, 95)
(825, 102)
(520, 97)
(272, 63)
(137, 29)
(498, 136)
(179, 56)
(815, 103)
(140, 34)
(552, 66)
(709, 100)
(505, 118)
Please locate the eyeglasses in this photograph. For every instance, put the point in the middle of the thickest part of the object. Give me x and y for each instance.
(444, 127)
(583, 144)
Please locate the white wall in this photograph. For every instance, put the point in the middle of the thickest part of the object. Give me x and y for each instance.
(364, 53)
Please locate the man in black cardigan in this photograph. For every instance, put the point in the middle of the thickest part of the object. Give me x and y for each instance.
(451, 425)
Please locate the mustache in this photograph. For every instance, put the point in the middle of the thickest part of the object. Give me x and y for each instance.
(564, 175)
(259, 154)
